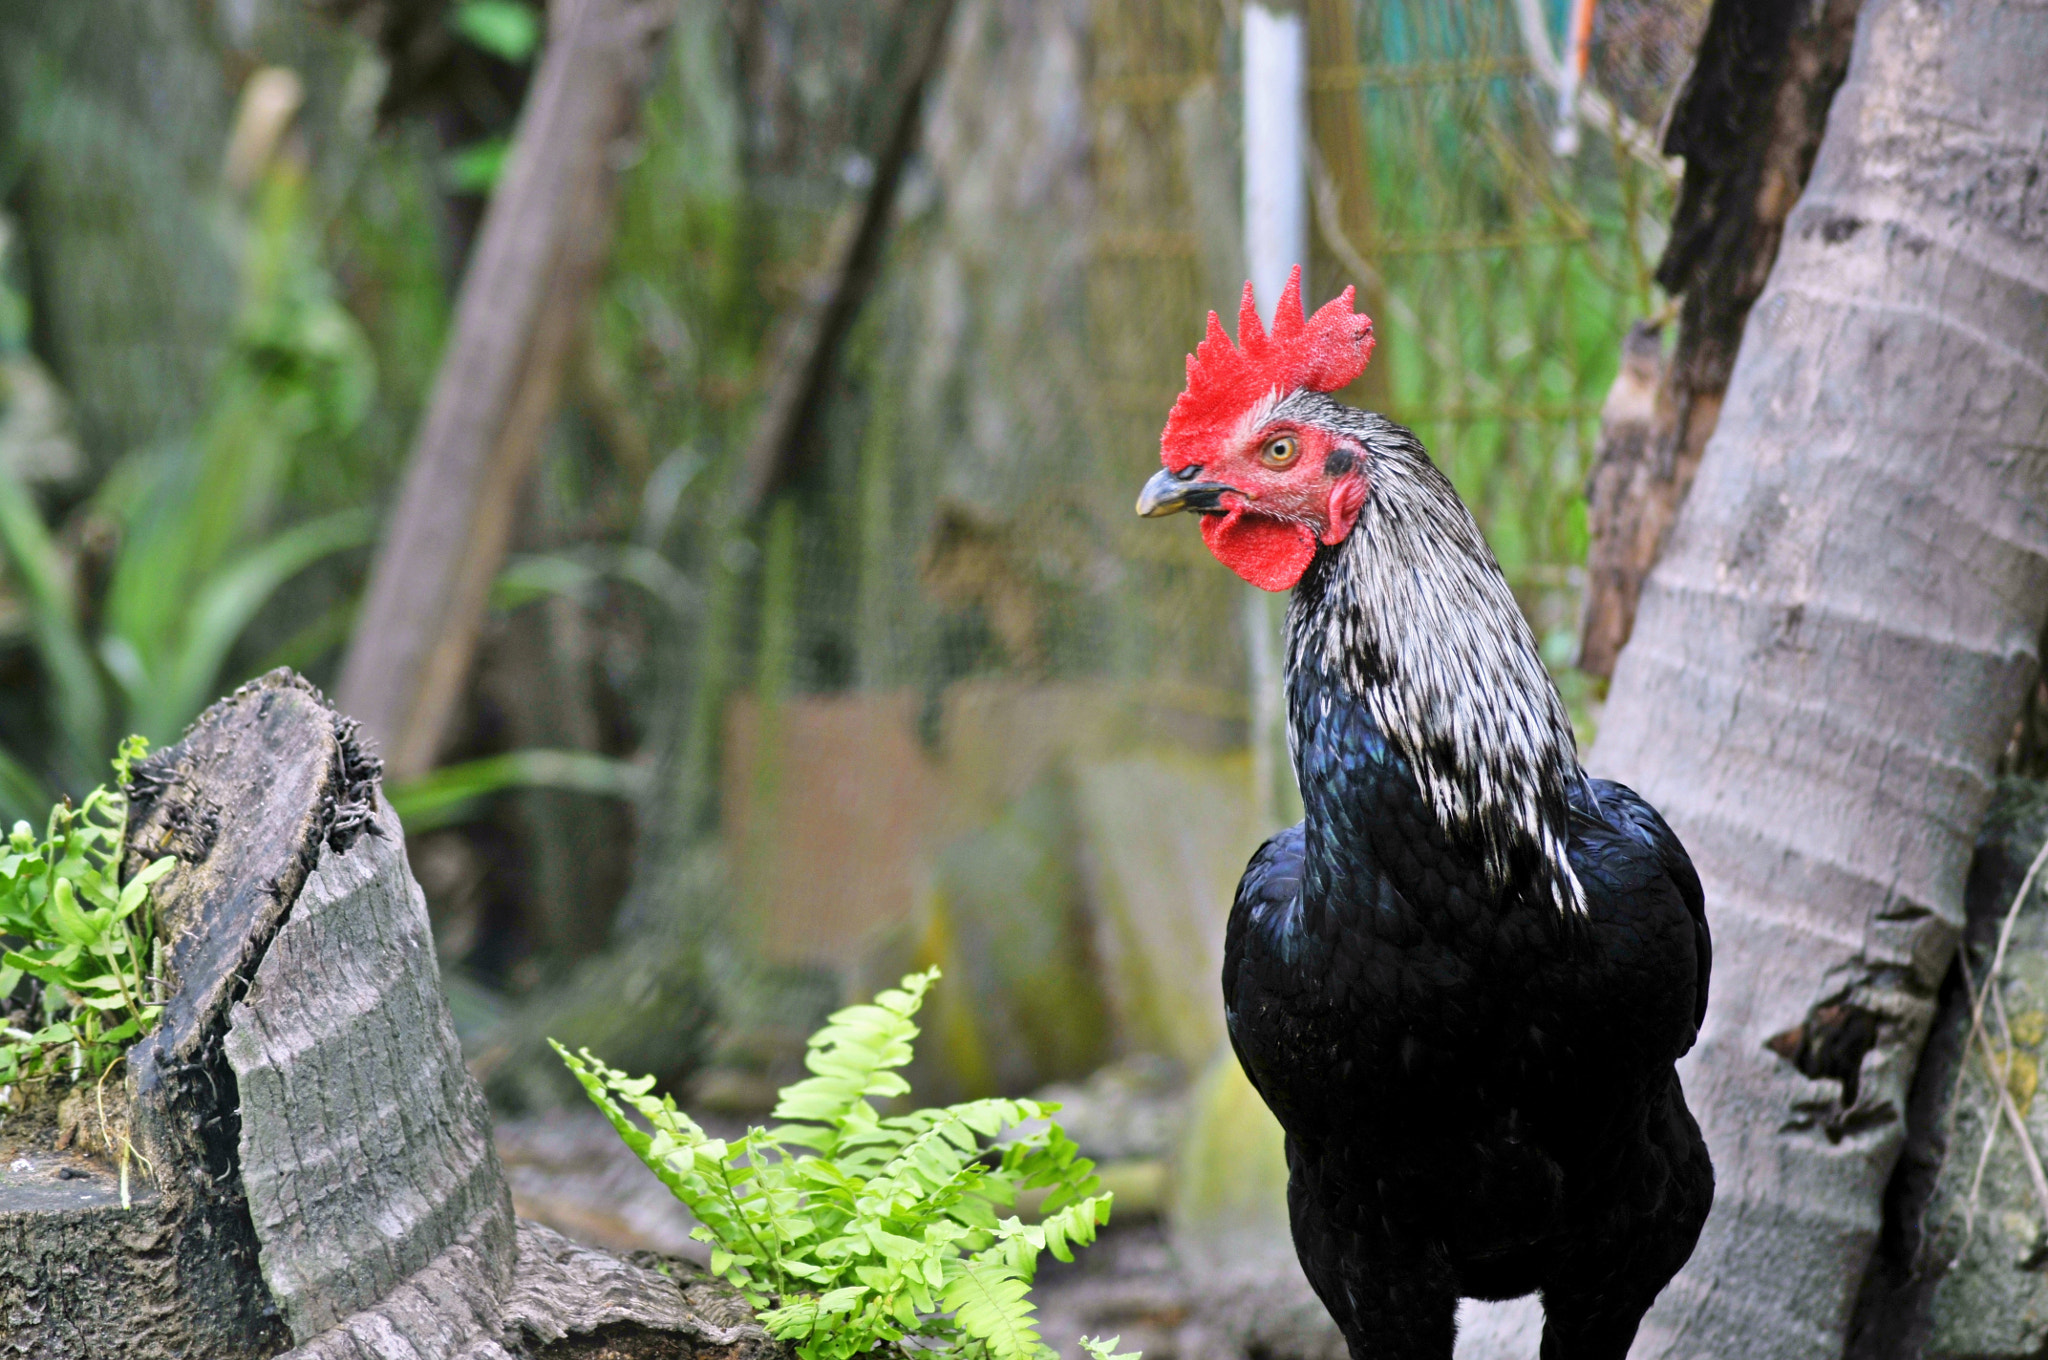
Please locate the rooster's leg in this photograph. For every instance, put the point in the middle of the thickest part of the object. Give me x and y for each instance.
(1391, 1302)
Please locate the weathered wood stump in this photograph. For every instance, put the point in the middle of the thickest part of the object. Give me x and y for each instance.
(311, 1168)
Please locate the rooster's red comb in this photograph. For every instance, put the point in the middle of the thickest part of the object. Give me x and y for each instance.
(1323, 352)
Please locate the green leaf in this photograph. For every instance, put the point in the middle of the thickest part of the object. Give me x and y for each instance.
(536, 576)
(454, 793)
(992, 1303)
(73, 925)
(476, 169)
(1098, 1349)
(137, 890)
(503, 28)
(61, 646)
(852, 1057)
(225, 604)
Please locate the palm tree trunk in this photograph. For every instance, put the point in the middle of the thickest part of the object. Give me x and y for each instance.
(1833, 651)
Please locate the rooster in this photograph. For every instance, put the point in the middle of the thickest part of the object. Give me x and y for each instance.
(1462, 980)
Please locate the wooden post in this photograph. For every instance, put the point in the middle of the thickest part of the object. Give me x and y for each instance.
(539, 254)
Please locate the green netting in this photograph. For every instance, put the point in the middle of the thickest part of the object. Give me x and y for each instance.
(945, 696)
(953, 604)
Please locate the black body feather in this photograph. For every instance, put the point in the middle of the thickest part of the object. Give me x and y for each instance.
(1465, 1014)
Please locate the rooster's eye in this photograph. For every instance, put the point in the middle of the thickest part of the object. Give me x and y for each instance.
(1281, 452)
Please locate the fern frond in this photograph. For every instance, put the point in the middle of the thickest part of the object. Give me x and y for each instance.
(853, 1060)
(886, 1232)
(1073, 1226)
(1098, 1349)
(992, 1304)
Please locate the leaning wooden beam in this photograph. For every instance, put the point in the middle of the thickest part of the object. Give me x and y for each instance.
(541, 250)
(313, 1169)
(808, 348)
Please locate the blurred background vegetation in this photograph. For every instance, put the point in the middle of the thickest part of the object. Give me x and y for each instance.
(941, 698)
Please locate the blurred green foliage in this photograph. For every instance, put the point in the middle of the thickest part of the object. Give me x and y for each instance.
(510, 31)
(504, 28)
(1511, 273)
(194, 556)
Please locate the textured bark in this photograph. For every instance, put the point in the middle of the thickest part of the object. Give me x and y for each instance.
(365, 1146)
(318, 1162)
(543, 245)
(1748, 123)
(1830, 657)
(244, 802)
(564, 1299)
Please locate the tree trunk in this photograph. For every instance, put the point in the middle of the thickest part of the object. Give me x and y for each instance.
(1748, 123)
(315, 1171)
(1830, 657)
(543, 245)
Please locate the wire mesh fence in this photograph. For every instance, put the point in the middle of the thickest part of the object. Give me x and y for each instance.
(945, 698)
(957, 623)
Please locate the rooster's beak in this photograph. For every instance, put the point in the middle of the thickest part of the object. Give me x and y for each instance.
(1167, 494)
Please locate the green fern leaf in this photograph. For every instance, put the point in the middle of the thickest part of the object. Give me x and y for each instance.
(1098, 1349)
(853, 1060)
(992, 1304)
(886, 1230)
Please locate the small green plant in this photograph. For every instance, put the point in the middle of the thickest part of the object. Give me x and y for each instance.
(883, 1234)
(81, 932)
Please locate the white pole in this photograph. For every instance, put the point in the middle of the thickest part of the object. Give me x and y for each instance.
(1275, 71)
(1275, 148)
(1578, 34)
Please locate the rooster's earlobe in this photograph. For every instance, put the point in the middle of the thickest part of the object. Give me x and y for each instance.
(1347, 498)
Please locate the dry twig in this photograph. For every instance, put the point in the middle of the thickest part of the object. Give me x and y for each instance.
(1997, 1071)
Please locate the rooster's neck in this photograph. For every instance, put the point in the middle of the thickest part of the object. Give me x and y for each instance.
(1410, 619)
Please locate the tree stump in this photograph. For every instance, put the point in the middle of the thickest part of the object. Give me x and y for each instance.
(309, 1168)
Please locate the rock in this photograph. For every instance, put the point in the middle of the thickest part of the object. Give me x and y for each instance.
(1134, 1286)
(1004, 919)
(1959, 1271)
(1131, 1110)
(569, 1170)
(1228, 1204)
(1166, 837)
(36, 440)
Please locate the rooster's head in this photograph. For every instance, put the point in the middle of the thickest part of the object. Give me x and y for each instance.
(1250, 446)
